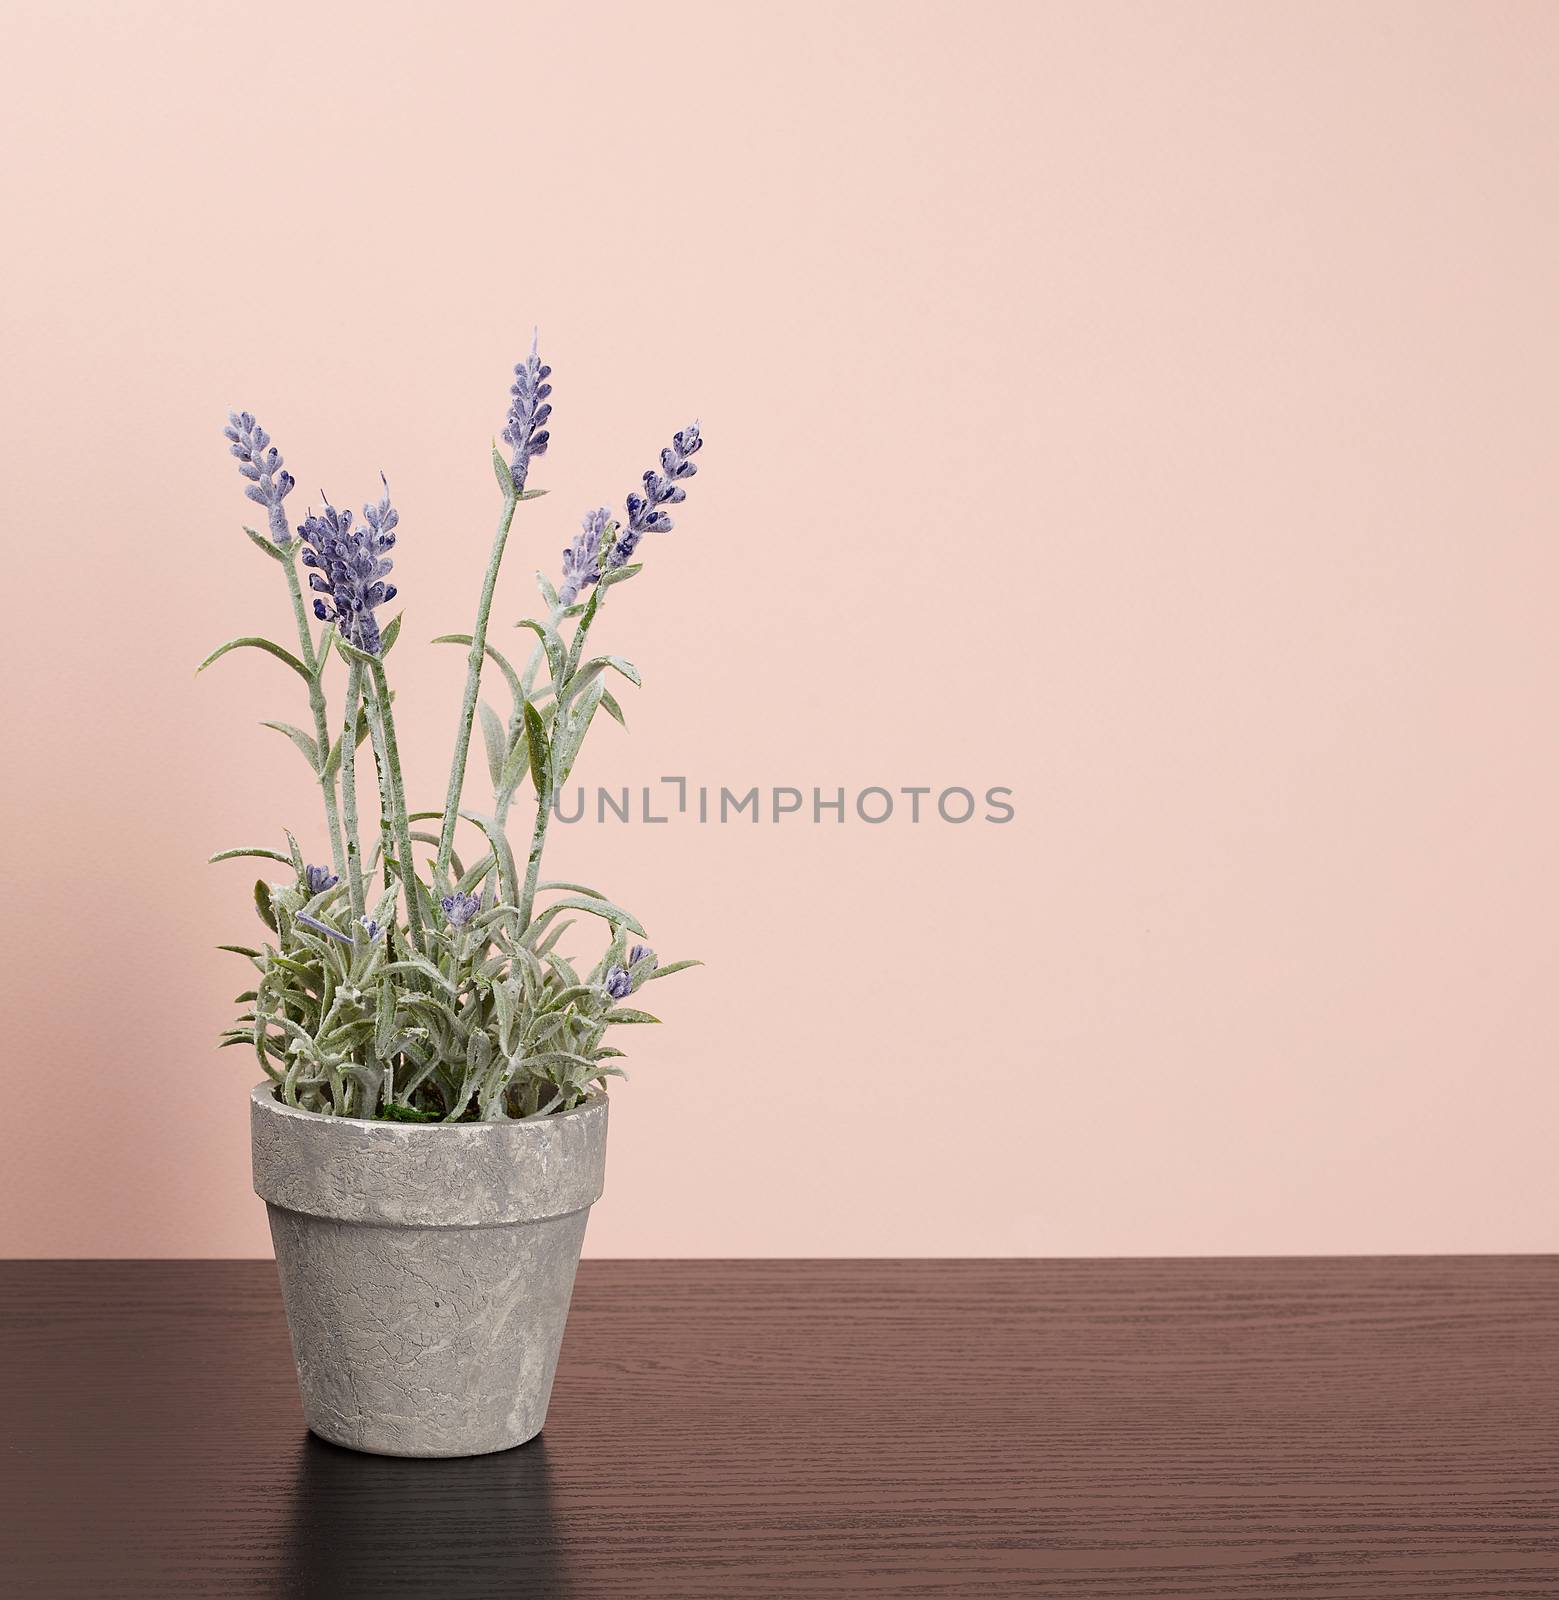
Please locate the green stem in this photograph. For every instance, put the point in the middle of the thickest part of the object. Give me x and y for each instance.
(383, 728)
(327, 782)
(386, 800)
(457, 769)
(533, 865)
(386, 792)
(349, 729)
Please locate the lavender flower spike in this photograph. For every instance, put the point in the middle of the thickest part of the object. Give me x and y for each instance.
(350, 567)
(582, 559)
(261, 463)
(318, 879)
(460, 908)
(663, 488)
(618, 984)
(526, 430)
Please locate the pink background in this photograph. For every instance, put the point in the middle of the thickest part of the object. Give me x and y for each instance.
(1150, 408)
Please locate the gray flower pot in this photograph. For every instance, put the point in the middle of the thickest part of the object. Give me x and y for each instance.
(426, 1268)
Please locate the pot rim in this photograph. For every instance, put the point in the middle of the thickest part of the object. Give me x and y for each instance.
(264, 1094)
(469, 1174)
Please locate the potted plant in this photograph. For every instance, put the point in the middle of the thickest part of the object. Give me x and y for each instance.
(430, 1133)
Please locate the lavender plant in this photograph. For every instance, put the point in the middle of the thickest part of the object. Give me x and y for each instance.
(437, 991)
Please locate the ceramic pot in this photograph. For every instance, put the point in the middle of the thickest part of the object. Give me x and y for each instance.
(426, 1268)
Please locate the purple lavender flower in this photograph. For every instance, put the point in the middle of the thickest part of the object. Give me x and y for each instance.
(642, 952)
(350, 567)
(582, 559)
(261, 463)
(618, 984)
(526, 430)
(661, 488)
(460, 908)
(318, 879)
(324, 928)
(367, 924)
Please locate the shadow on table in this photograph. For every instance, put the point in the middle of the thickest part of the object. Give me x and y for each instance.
(371, 1525)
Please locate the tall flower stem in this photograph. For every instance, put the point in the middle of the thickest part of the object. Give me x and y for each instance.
(383, 726)
(533, 864)
(386, 801)
(349, 732)
(327, 781)
(484, 606)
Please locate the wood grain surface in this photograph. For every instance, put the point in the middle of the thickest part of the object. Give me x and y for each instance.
(1222, 1430)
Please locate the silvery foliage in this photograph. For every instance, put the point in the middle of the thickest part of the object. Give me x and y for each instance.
(438, 992)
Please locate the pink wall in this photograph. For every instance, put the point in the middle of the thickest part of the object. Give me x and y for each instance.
(1149, 408)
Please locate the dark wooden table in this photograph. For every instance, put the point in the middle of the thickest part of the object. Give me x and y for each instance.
(1209, 1429)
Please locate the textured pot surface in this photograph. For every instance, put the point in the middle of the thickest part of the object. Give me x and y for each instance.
(426, 1268)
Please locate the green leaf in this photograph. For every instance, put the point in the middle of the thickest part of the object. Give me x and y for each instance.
(627, 1014)
(496, 739)
(296, 1032)
(573, 888)
(582, 632)
(262, 902)
(508, 880)
(565, 748)
(582, 680)
(620, 574)
(322, 655)
(530, 494)
(277, 552)
(468, 879)
(240, 950)
(301, 740)
(517, 762)
(667, 970)
(627, 668)
(503, 473)
(553, 645)
(352, 653)
(503, 1007)
(613, 710)
(500, 661)
(591, 903)
(548, 592)
(536, 743)
(392, 632)
(413, 962)
(434, 840)
(384, 1020)
(559, 1058)
(268, 645)
(578, 991)
(250, 850)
